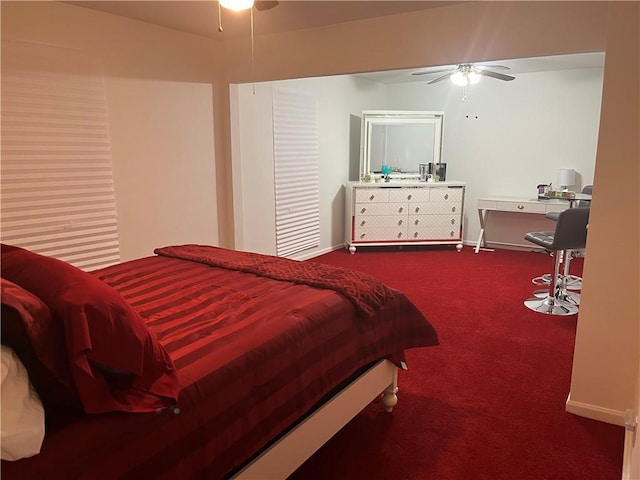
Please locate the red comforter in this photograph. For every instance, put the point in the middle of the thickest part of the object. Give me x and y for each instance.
(253, 353)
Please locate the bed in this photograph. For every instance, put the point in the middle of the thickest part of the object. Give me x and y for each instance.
(262, 360)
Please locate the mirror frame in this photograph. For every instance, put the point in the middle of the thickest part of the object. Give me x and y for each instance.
(398, 117)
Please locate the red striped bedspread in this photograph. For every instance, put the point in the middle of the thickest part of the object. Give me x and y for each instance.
(253, 353)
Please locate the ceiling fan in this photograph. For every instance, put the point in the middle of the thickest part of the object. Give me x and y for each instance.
(262, 5)
(239, 5)
(467, 74)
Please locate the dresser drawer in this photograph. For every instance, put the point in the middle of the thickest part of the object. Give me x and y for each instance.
(409, 195)
(522, 207)
(434, 233)
(380, 221)
(435, 208)
(446, 194)
(380, 208)
(372, 195)
(433, 220)
(374, 234)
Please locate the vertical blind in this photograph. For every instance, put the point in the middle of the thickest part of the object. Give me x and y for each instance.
(56, 176)
(296, 171)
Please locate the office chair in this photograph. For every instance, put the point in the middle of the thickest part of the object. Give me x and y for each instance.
(587, 189)
(572, 282)
(570, 233)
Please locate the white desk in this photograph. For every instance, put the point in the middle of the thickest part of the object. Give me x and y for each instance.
(520, 205)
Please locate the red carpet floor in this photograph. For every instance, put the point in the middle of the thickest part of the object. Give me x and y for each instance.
(489, 402)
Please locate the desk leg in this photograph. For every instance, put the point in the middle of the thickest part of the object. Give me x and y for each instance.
(482, 214)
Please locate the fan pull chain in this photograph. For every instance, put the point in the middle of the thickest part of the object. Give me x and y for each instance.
(219, 18)
(253, 57)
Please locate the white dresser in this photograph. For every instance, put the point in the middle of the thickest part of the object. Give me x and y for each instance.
(403, 213)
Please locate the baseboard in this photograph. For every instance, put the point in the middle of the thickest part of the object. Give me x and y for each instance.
(594, 412)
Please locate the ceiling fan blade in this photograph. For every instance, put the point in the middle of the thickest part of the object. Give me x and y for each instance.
(483, 67)
(499, 76)
(439, 79)
(262, 5)
(429, 72)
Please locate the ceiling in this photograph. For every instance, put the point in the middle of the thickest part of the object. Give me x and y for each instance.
(201, 18)
(515, 66)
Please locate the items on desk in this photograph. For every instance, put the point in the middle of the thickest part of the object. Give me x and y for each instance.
(543, 188)
(563, 194)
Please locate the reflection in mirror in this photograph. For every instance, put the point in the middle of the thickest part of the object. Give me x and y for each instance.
(402, 146)
(400, 139)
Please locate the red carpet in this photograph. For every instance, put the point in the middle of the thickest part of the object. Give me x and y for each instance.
(489, 402)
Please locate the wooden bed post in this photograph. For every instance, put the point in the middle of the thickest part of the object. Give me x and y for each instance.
(389, 397)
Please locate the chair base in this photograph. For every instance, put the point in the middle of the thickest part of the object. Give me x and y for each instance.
(550, 306)
(571, 282)
(567, 296)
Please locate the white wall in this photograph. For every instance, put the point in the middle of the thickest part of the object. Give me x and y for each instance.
(159, 90)
(506, 138)
(340, 103)
(164, 172)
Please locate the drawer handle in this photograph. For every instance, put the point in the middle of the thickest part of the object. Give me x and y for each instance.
(453, 209)
(400, 209)
(417, 209)
(372, 197)
(399, 234)
(399, 222)
(453, 221)
(520, 207)
(363, 210)
(416, 222)
(364, 221)
(362, 236)
(409, 197)
(446, 196)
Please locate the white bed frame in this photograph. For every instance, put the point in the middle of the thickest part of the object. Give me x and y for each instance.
(283, 457)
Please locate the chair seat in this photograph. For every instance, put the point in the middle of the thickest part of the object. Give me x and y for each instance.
(543, 239)
(553, 216)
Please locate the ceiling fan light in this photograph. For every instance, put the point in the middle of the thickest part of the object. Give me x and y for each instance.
(460, 79)
(474, 77)
(236, 5)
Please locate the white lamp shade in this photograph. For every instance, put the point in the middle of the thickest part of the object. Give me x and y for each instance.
(460, 79)
(474, 77)
(236, 5)
(566, 177)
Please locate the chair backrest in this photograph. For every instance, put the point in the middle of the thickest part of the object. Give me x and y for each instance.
(571, 229)
(586, 189)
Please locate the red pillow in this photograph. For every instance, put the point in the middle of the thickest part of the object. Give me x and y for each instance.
(102, 332)
(38, 340)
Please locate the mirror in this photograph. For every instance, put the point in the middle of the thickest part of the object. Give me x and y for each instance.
(401, 139)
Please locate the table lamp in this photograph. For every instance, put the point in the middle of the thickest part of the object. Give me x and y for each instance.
(566, 178)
